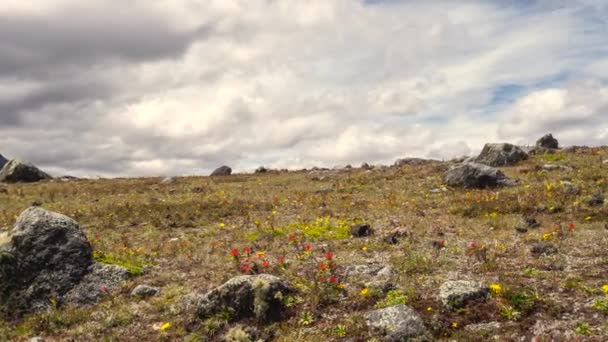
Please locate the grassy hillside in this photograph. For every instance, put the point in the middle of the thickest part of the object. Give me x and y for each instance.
(179, 237)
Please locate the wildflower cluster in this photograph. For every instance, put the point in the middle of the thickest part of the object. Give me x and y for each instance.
(477, 251)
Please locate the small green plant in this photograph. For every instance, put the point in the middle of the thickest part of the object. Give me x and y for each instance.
(600, 304)
(582, 328)
(393, 297)
(134, 266)
(509, 313)
(340, 330)
(306, 318)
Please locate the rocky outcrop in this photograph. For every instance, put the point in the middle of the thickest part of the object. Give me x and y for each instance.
(3, 161)
(16, 171)
(45, 258)
(547, 141)
(222, 171)
(474, 175)
(501, 155)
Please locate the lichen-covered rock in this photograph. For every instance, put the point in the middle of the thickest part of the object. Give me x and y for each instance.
(374, 275)
(145, 291)
(501, 155)
(397, 323)
(20, 171)
(543, 248)
(456, 294)
(100, 280)
(475, 175)
(222, 171)
(247, 296)
(45, 256)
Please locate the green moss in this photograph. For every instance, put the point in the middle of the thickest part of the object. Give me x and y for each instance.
(132, 265)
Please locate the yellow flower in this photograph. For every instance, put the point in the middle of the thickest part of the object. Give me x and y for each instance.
(165, 326)
(364, 248)
(429, 309)
(260, 254)
(454, 325)
(527, 186)
(365, 292)
(496, 289)
(340, 286)
(605, 289)
(588, 218)
(222, 225)
(547, 236)
(274, 212)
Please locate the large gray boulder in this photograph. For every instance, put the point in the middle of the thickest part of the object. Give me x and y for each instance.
(44, 257)
(222, 171)
(2, 161)
(247, 296)
(456, 294)
(396, 323)
(501, 155)
(18, 170)
(547, 141)
(474, 175)
(374, 275)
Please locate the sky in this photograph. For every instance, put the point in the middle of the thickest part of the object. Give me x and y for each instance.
(118, 88)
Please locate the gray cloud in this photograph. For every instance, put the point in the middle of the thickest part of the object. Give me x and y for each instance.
(146, 88)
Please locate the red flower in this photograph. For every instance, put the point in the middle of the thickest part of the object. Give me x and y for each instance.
(329, 255)
(333, 280)
(234, 252)
(245, 268)
(321, 278)
(308, 248)
(473, 245)
(323, 266)
(572, 226)
(442, 243)
(265, 264)
(104, 289)
(247, 250)
(281, 260)
(292, 237)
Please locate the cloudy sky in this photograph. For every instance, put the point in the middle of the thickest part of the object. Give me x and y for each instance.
(141, 87)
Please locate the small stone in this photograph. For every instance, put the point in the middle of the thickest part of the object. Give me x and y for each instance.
(360, 230)
(169, 180)
(543, 248)
(456, 294)
(145, 291)
(521, 230)
(532, 223)
(596, 200)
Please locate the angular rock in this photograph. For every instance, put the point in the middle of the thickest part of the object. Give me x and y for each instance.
(396, 323)
(222, 171)
(375, 275)
(46, 256)
(553, 167)
(145, 291)
(547, 141)
(501, 155)
(361, 230)
(169, 180)
(17, 170)
(247, 296)
(261, 169)
(3, 161)
(570, 189)
(366, 166)
(596, 200)
(456, 294)
(474, 175)
(543, 248)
